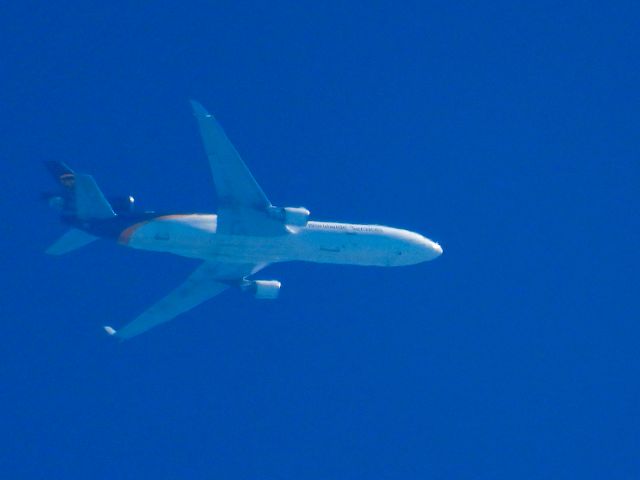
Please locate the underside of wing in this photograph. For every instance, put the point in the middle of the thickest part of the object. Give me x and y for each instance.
(243, 205)
(207, 281)
(233, 180)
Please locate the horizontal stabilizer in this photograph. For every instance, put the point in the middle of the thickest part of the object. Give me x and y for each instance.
(90, 202)
(72, 240)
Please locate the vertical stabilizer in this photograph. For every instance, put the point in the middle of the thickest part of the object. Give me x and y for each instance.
(79, 196)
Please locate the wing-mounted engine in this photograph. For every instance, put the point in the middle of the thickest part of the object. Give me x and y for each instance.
(291, 216)
(122, 204)
(263, 289)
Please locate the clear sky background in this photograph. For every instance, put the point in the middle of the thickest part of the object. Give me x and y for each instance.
(507, 131)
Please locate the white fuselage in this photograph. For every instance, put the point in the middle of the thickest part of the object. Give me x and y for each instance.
(196, 236)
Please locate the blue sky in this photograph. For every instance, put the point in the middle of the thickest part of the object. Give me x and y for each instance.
(507, 132)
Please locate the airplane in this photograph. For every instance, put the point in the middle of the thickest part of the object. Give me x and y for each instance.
(247, 233)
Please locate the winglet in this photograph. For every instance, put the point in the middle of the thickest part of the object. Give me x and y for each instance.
(110, 330)
(199, 110)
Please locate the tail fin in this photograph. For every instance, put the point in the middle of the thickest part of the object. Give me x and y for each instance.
(81, 196)
(70, 241)
(61, 171)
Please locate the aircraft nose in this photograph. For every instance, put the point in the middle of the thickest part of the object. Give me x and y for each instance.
(419, 249)
(431, 249)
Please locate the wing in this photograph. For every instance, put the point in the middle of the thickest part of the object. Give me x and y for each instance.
(234, 183)
(243, 205)
(207, 281)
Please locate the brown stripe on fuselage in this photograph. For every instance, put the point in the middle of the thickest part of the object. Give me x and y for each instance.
(126, 234)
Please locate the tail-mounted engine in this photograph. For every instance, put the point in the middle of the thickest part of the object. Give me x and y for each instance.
(263, 289)
(123, 204)
(293, 216)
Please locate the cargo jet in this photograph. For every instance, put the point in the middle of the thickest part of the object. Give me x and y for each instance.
(247, 234)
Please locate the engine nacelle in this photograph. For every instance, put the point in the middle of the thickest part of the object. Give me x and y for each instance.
(56, 202)
(265, 289)
(294, 216)
(122, 204)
